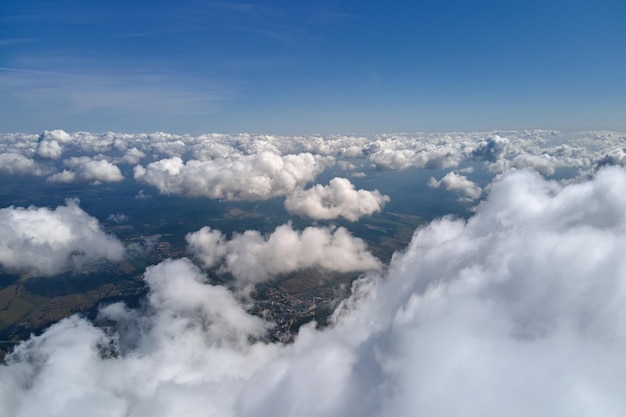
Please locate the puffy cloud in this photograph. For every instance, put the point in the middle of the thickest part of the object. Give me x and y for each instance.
(519, 311)
(500, 151)
(338, 199)
(346, 166)
(58, 135)
(44, 242)
(452, 181)
(49, 149)
(14, 163)
(436, 158)
(613, 157)
(133, 156)
(65, 176)
(491, 149)
(250, 257)
(188, 351)
(251, 177)
(211, 149)
(545, 164)
(87, 169)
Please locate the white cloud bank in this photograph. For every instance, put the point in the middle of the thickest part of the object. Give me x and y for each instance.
(519, 311)
(337, 199)
(251, 257)
(250, 177)
(216, 160)
(44, 242)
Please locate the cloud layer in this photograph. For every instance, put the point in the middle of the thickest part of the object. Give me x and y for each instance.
(44, 242)
(251, 257)
(518, 311)
(258, 167)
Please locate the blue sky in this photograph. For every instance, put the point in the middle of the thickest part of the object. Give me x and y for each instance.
(288, 67)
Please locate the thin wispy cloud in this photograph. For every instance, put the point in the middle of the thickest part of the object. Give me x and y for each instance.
(72, 94)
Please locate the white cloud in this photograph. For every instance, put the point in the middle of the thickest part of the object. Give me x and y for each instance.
(251, 257)
(58, 135)
(544, 164)
(86, 169)
(14, 163)
(452, 181)
(187, 353)
(491, 149)
(65, 176)
(346, 166)
(499, 151)
(118, 218)
(338, 199)
(212, 149)
(519, 311)
(49, 149)
(44, 242)
(133, 156)
(404, 152)
(251, 177)
(405, 158)
(613, 157)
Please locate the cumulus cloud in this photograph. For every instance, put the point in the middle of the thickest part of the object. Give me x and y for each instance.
(251, 257)
(65, 176)
(187, 353)
(58, 135)
(49, 149)
(44, 242)
(518, 311)
(452, 181)
(133, 156)
(14, 163)
(499, 151)
(613, 157)
(338, 199)
(491, 149)
(250, 177)
(545, 164)
(434, 158)
(85, 168)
